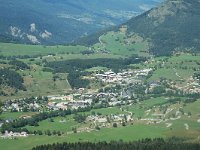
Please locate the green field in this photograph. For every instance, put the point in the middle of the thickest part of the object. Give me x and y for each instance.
(164, 73)
(176, 68)
(139, 109)
(114, 42)
(69, 121)
(9, 49)
(130, 133)
(56, 125)
(193, 108)
(108, 111)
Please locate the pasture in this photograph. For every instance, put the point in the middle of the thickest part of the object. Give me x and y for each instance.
(10, 49)
(130, 133)
(115, 43)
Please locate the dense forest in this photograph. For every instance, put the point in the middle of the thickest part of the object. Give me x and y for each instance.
(146, 144)
(11, 78)
(19, 65)
(81, 64)
(76, 81)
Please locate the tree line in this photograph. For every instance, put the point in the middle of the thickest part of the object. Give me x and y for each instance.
(145, 144)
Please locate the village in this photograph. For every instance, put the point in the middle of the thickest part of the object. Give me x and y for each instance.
(124, 77)
(119, 86)
(81, 98)
(120, 90)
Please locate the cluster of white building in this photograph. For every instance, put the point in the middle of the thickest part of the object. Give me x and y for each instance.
(111, 77)
(113, 118)
(60, 97)
(20, 106)
(74, 104)
(11, 135)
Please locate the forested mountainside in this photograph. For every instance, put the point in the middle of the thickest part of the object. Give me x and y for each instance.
(172, 26)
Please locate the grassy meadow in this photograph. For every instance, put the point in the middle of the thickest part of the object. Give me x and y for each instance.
(130, 133)
(10, 49)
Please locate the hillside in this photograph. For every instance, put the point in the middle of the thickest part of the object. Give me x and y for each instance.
(172, 26)
(62, 21)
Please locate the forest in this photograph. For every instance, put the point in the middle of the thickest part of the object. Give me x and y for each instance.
(145, 144)
(11, 78)
(81, 64)
(19, 65)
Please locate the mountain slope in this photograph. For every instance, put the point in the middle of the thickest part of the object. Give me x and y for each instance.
(61, 21)
(172, 26)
